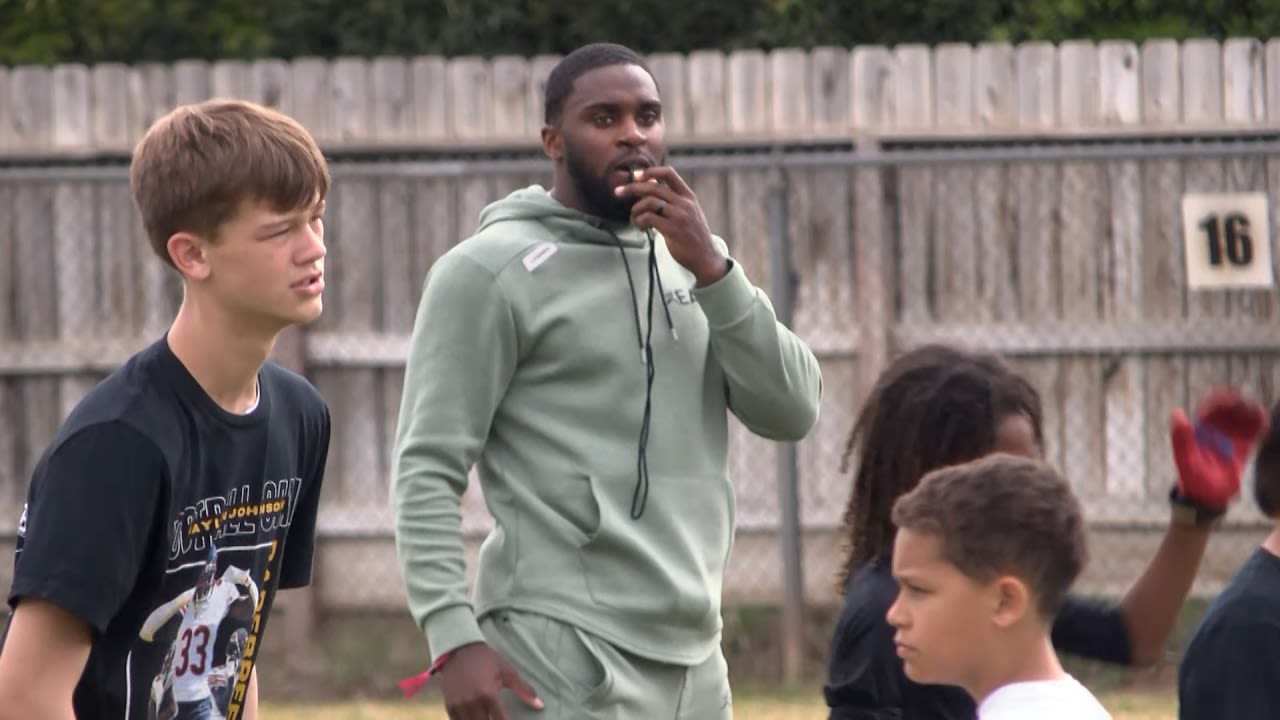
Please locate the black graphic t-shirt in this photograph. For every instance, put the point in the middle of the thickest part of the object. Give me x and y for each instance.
(1231, 664)
(167, 524)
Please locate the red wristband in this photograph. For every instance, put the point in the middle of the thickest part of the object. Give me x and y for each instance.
(411, 685)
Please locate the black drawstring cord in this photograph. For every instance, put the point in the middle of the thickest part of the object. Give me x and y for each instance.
(635, 306)
(662, 293)
(640, 497)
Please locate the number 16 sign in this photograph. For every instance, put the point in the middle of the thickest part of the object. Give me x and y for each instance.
(1227, 240)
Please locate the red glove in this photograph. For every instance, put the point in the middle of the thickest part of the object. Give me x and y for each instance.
(1211, 454)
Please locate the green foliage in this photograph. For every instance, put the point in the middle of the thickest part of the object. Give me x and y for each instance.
(48, 31)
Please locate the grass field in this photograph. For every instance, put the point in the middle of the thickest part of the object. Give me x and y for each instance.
(1123, 706)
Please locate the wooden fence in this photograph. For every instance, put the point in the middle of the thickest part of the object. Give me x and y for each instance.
(1072, 268)
(788, 93)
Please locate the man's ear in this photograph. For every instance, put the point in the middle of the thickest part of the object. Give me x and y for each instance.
(187, 251)
(552, 142)
(1011, 601)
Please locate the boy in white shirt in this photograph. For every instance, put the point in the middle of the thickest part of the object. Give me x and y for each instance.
(984, 555)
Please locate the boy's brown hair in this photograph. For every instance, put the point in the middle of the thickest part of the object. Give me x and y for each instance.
(195, 168)
(1003, 515)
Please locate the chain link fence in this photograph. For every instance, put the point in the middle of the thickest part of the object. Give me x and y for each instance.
(1067, 257)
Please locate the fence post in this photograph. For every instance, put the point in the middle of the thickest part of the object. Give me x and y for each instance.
(782, 292)
(297, 622)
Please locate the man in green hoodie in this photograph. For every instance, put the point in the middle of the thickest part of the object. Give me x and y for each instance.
(597, 423)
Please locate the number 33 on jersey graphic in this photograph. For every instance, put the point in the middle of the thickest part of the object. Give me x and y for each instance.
(207, 629)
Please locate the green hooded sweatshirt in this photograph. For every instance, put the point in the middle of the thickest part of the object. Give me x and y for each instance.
(527, 360)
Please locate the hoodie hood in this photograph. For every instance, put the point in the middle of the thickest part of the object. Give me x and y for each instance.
(568, 225)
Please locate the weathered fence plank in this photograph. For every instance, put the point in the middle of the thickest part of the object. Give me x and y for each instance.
(1163, 272)
(1122, 374)
(1081, 244)
(1035, 189)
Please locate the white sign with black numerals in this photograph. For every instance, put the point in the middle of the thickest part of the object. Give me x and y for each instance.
(1227, 240)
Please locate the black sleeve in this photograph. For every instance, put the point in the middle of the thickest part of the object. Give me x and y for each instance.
(1232, 671)
(865, 679)
(1092, 630)
(93, 505)
(299, 548)
(847, 713)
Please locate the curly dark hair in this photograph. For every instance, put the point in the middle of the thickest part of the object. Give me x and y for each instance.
(932, 407)
(1003, 515)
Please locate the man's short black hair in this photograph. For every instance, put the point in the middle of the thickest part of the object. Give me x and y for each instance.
(572, 66)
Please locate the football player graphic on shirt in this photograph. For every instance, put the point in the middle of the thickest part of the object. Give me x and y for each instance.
(202, 610)
(161, 705)
(223, 677)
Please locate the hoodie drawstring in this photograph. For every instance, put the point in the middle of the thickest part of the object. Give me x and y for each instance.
(635, 306)
(662, 293)
(640, 496)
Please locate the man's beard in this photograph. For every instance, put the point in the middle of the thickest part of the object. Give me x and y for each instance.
(596, 193)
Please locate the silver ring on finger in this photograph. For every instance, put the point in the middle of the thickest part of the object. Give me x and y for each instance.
(662, 205)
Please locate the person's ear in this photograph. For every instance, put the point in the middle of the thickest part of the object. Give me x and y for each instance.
(552, 142)
(1010, 601)
(189, 255)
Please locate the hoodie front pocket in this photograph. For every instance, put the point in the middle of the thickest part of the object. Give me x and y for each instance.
(575, 505)
(667, 566)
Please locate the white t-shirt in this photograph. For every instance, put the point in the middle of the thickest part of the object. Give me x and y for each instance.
(1061, 699)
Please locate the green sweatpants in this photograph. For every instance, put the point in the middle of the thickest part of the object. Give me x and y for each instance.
(581, 677)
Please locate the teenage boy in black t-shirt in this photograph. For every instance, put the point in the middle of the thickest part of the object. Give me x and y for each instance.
(182, 491)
